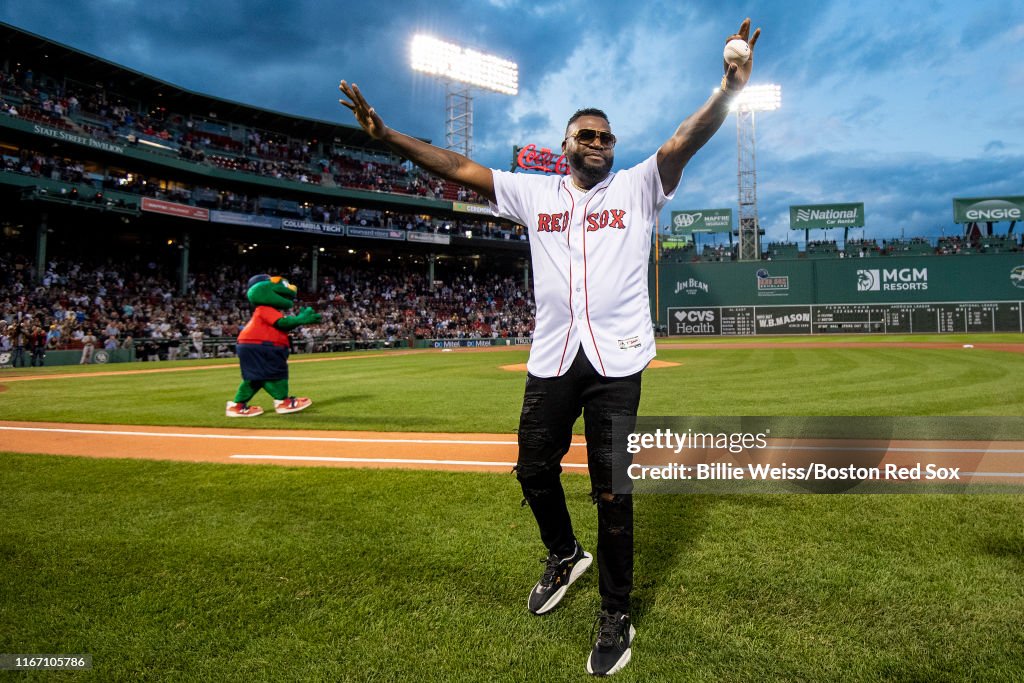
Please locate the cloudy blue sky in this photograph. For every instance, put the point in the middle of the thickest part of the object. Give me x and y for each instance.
(901, 106)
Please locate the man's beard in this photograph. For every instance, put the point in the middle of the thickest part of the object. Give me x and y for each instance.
(588, 171)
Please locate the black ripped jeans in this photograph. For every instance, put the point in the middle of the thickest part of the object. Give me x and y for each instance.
(550, 408)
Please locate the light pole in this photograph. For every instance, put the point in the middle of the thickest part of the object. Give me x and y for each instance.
(462, 69)
(751, 100)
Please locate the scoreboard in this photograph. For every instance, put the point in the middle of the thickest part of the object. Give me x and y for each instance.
(905, 318)
(967, 293)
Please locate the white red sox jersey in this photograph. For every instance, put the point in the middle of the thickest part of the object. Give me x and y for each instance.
(590, 252)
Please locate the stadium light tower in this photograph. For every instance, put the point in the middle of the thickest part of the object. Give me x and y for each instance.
(462, 69)
(753, 99)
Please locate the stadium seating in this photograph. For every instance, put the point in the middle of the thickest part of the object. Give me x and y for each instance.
(821, 249)
(996, 244)
(862, 248)
(915, 246)
(782, 251)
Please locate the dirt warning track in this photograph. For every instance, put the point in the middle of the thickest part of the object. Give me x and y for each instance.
(306, 448)
(995, 462)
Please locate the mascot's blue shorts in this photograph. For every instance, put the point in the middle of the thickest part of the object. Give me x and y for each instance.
(263, 362)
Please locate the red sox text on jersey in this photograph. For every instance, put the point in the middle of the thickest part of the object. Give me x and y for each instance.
(557, 222)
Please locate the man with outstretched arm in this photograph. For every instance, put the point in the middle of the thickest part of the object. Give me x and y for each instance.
(590, 237)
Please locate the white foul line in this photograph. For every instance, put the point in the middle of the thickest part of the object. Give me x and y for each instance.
(460, 442)
(403, 461)
(320, 439)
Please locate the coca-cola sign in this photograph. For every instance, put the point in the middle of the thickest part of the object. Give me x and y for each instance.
(530, 158)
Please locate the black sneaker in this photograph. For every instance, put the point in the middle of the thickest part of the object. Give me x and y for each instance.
(558, 576)
(614, 646)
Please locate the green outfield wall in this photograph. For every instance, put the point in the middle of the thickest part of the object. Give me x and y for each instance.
(72, 357)
(931, 294)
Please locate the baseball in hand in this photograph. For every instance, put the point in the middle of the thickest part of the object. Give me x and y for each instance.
(736, 52)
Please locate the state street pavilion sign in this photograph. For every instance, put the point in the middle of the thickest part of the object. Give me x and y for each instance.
(988, 209)
(817, 216)
(701, 220)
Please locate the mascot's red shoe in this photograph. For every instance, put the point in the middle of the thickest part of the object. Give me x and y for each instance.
(291, 404)
(242, 410)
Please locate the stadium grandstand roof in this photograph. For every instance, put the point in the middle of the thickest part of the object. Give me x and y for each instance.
(56, 58)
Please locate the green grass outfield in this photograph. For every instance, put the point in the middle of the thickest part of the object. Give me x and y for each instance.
(199, 572)
(469, 392)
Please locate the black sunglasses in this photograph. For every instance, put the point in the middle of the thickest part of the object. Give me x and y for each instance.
(588, 135)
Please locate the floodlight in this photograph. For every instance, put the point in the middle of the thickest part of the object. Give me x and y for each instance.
(462, 70)
(446, 60)
(758, 98)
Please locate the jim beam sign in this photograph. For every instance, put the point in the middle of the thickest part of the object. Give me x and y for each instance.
(988, 209)
(818, 216)
(701, 220)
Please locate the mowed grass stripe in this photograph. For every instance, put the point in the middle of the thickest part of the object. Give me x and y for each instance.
(469, 392)
(207, 572)
(841, 381)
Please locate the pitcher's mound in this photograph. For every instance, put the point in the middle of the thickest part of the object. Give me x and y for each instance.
(521, 367)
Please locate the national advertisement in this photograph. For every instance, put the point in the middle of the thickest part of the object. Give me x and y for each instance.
(818, 216)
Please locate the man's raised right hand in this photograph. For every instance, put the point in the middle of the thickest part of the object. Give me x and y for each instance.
(366, 116)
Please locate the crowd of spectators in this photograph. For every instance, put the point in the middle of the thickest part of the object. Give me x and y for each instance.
(43, 166)
(688, 253)
(134, 305)
(822, 248)
(395, 305)
(35, 163)
(914, 246)
(953, 245)
(91, 110)
(861, 248)
(979, 244)
(718, 252)
(678, 254)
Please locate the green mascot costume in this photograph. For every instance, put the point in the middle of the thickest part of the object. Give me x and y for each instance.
(263, 347)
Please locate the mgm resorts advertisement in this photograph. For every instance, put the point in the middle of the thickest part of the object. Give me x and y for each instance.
(893, 279)
(892, 295)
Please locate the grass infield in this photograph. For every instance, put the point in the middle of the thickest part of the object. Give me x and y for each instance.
(173, 571)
